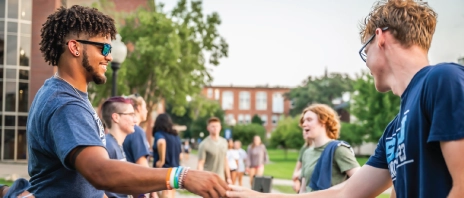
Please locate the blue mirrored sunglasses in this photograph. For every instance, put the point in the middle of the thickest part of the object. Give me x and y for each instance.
(106, 47)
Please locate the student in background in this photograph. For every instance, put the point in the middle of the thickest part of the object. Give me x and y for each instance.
(166, 148)
(119, 117)
(257, 157)
(241, 162)
(136, 145)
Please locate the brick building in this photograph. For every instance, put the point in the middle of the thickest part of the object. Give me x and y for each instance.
(242, 103)
(23, 69)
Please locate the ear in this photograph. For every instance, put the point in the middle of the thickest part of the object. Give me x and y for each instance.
(115, 117)
(380, 37)
(73, 47)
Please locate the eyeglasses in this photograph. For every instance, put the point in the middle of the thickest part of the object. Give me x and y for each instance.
(361, 52)
(106, 47)
(129, 114)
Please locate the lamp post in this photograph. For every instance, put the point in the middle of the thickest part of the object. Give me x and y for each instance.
(119, 52)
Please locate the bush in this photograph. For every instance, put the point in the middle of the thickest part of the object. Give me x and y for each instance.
(245, 133)
(288, 134)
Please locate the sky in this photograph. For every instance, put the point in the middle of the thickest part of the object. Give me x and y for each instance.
(282, 42)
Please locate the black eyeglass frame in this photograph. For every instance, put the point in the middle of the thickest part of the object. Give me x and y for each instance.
(361, 51)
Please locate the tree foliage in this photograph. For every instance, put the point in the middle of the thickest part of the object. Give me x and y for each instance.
(197, 112)
(373, 110)
(257, 120)
(287, 134)
(246, 132)
(322, 89)
(167, 54)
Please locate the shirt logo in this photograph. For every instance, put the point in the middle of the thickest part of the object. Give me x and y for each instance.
(396, 149)
(101, 130)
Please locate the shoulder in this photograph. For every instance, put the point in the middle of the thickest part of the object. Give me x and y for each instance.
(138, 129)
(443, 72)
(343, 149)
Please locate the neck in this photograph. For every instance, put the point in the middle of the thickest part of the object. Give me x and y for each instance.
(214, 137)
(406, 64)
(73, 78)
(118, 135)
(138, 121)
(320, 141)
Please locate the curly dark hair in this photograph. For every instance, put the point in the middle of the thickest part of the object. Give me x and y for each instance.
(163, 123)
(74, 20)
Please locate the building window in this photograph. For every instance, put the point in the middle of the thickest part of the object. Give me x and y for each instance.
(261, 100)
(227, 100)
(244, 100)
(229, 118)
(275, 119)
(264, 119)
(277, 103)
(247, 119)
(209, 92)
(241, 119)
(15, 39)
(216, 94)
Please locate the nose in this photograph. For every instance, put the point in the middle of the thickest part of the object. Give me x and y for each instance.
(109, 58)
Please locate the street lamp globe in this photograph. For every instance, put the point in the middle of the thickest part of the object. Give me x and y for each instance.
(119, 53)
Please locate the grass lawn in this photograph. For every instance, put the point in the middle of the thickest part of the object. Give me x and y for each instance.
(282, 168)
(2, 181)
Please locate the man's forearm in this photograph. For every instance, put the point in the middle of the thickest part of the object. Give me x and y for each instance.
(123, 177)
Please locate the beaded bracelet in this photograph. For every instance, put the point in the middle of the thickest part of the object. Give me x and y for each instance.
(168, 185)
(175, 177)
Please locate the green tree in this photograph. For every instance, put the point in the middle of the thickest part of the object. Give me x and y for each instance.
(197, 112)
(322, 89)
(373, 110)
(287, 135)
(168, 60)
(246, 132)
(256, 120)
(352, 134)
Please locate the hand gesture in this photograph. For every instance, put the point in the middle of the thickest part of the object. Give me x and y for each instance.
(296, 186)
(159, 164)
(205, 184)
(242, 192)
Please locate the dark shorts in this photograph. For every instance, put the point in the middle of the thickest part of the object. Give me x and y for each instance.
(186, 151)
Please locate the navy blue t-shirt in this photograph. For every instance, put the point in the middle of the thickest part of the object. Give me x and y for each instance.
(173, 149)
(115, 152)
(59, 121)
(136, 145)
(432, 110)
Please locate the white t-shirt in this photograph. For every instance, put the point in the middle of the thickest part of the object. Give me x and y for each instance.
(232, 157)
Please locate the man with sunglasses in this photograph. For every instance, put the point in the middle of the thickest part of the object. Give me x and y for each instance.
(66, 140)
(420, 150)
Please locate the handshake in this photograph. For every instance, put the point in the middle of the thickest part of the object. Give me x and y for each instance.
(207, 184)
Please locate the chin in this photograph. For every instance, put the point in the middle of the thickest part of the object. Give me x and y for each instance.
(99, 79)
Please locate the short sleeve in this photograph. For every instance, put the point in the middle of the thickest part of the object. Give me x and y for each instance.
(345, 159)
(444, 102)
(159, 136)
(379, 159)
(236, 155)
(201, 151)
(72, 126)
(135, 145)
